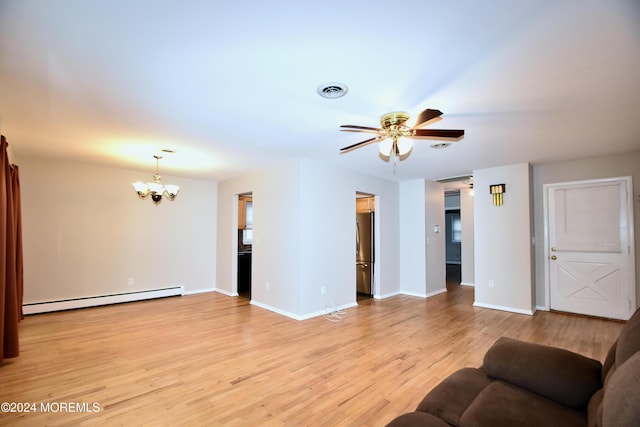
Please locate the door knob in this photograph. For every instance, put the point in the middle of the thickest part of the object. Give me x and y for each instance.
(553, 257)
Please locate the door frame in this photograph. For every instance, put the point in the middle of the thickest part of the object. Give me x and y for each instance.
(375, 273)
(631, 233)
(234, 243)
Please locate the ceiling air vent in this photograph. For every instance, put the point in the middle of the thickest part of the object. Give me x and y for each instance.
(332, 90)
(440, 145)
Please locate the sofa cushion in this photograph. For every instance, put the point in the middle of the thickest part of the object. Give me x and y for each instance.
(503, 404)
(413, 419)
(620, 406)
(594, 411)
(566, 377)
(628, 342)
(449, 399)
(609, 361)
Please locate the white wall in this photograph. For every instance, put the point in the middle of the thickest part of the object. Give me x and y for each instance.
(413, 235)
(436, 251)
(503, 240)
(328, 238)
(601, 167)
(85, 232)
(422, 250)
(304, 236)
(276, 245)
(466, 216)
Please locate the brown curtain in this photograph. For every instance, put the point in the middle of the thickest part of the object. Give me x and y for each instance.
(11, 258)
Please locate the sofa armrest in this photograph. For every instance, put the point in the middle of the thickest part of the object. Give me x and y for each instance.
(417, 419)
(561, 375)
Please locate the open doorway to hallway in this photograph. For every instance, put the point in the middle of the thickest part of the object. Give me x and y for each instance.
(245, 244)
(459, 231)
(453, 237)
(365, 245)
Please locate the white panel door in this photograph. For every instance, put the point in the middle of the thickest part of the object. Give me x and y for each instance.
(590, 248)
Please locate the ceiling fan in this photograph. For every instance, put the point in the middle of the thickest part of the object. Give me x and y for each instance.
(393, 127)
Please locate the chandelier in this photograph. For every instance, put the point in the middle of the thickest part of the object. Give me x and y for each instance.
(155, 188)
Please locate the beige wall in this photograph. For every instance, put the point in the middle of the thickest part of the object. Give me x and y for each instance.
(413, 235)
(466, 215)
(436, 250)
(503, 240)
(85, 232)
(602, 167)
(304, 236)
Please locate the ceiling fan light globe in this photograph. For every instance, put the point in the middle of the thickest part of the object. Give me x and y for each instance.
(385, 147)
(404, 146)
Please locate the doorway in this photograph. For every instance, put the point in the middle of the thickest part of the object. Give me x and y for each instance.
(245, 244)
(453, 237)
(589, 248)
(365, 245)
(459, 230)
(453, 245)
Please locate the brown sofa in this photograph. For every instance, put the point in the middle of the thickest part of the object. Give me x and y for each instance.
(525, 384)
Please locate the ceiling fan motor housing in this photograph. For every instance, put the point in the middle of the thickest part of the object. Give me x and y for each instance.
(398, 118)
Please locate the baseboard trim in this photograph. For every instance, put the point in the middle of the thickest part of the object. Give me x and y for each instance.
(421, 295)
(200, 291)
(298, 317)
(227, 293)
(503, 308)
(389, 295)
(413, 294)
(438, 292)
(84, 302)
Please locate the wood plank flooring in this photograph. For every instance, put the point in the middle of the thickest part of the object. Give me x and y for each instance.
(214, 360)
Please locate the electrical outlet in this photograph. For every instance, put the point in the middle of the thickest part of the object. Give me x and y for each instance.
(267, 285)
(323, 290)
(131, 281)
(492, 283)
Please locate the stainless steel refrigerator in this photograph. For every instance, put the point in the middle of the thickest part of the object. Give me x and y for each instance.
(364, 253)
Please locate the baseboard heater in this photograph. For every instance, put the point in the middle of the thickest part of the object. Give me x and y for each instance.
(70, 304)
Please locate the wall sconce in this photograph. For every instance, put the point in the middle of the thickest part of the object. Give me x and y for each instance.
(155, 188)
(497, 190)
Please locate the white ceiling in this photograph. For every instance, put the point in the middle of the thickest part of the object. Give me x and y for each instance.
(231, 86)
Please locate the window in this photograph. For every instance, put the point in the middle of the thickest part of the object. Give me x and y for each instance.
(456, 229)
(249, 214)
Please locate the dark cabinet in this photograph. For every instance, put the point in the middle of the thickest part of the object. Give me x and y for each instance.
(244, 273)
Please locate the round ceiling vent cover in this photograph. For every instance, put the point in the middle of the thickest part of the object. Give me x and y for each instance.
(333, 90)
(440, 145)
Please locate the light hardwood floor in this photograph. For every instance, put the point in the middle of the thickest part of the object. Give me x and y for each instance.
(209, 359)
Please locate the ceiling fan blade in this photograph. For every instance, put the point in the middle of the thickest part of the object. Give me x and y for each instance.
(355, 128)
(427, 115)
(359, 144)
(439, 133)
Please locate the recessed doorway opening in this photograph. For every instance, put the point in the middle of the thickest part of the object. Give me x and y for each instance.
(365, 245)
(245, 244)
